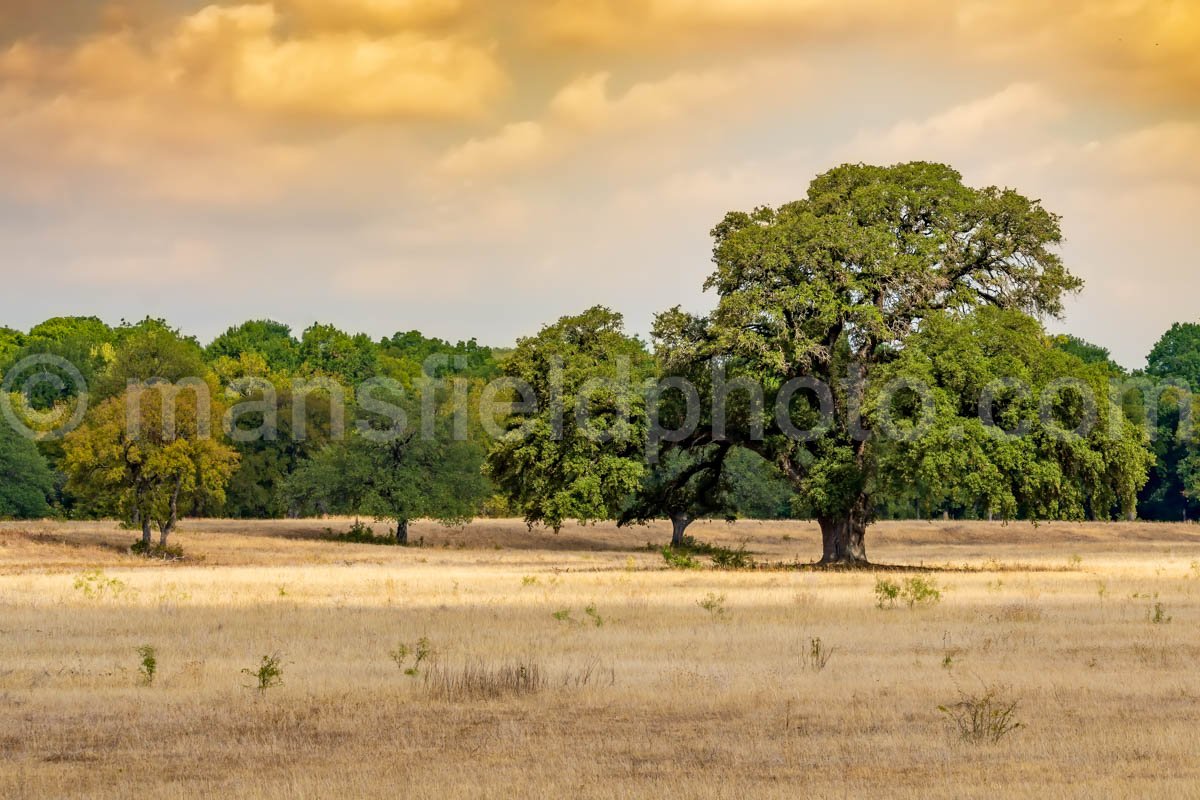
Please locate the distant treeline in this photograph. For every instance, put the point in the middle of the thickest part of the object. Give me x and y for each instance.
(876, 350)
(107, 357)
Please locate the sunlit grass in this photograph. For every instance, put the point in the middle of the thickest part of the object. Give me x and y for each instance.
(665, 697)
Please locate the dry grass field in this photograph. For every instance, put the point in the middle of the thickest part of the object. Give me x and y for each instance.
(579, 666)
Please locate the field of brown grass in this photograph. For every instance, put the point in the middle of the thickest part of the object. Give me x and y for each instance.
(577, 665)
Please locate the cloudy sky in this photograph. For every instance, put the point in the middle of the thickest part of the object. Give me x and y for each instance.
(477, 168)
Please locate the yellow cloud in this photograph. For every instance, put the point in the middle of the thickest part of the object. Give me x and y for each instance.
(238, 53)
(587, 105)
(514, 144)
(371, 15)
(1141, 51)
(1137, 50)
(1014, 117)
(716, 24)
(245, 57)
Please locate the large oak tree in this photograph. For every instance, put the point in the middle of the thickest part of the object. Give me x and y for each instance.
(831, 286)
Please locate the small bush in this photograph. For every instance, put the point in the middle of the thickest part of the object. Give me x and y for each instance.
(683, 555)
(679, 559)
(594, 615)
(724, 558)
(983, 718)
(886, 593)
(1158, 614)
(95, 585)
(714, 604)
(482, 681)
(419, 653)
(818, 655)
(149, 665)
(171, 552)
(361, 533)
(268, 675)
(920, 591)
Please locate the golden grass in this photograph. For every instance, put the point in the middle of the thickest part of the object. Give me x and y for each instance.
(648, 694)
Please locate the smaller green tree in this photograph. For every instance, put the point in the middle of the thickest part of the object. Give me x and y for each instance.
(400, 473)
(151, 350)
(1009, 427)
(1177, 355)
(131, 460)
(272, 341)
(326, 350)
(683, 487)
(573, 447)
(26, 482)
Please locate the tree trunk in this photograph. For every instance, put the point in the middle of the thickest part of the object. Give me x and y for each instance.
(843, 539)
(679, 524)
(146, 533)
(168, 527)
(402, 532)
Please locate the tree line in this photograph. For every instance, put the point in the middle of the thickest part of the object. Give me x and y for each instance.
(888, 299)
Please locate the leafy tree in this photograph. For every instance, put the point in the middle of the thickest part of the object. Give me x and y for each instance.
(410, 352)
(1177, 355)
(684, 486)
(831, 286)
(26, 482)
(128, 461)
(391, 469)
(1070, 453)
(84, 342)
(325, 350)
(11, 341)
(273, 341)
(1171, 492)
(150, 351)
(756, 487)
(1088, 353)
(575, 448)
(1173, 378)
(61, 329)
(270, 453)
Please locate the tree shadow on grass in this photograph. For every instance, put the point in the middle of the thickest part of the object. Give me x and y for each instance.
(869, 567)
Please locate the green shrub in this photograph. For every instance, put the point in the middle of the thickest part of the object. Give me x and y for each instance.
(679, 559)
(171, 552)
(361, 533)
(268, 675)
(419, 653)
(886, 593)
(920, 591)
(149, 665)
(714, 604)
(594, 615)
(983, 718)
(724, 558)
(95, 585)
